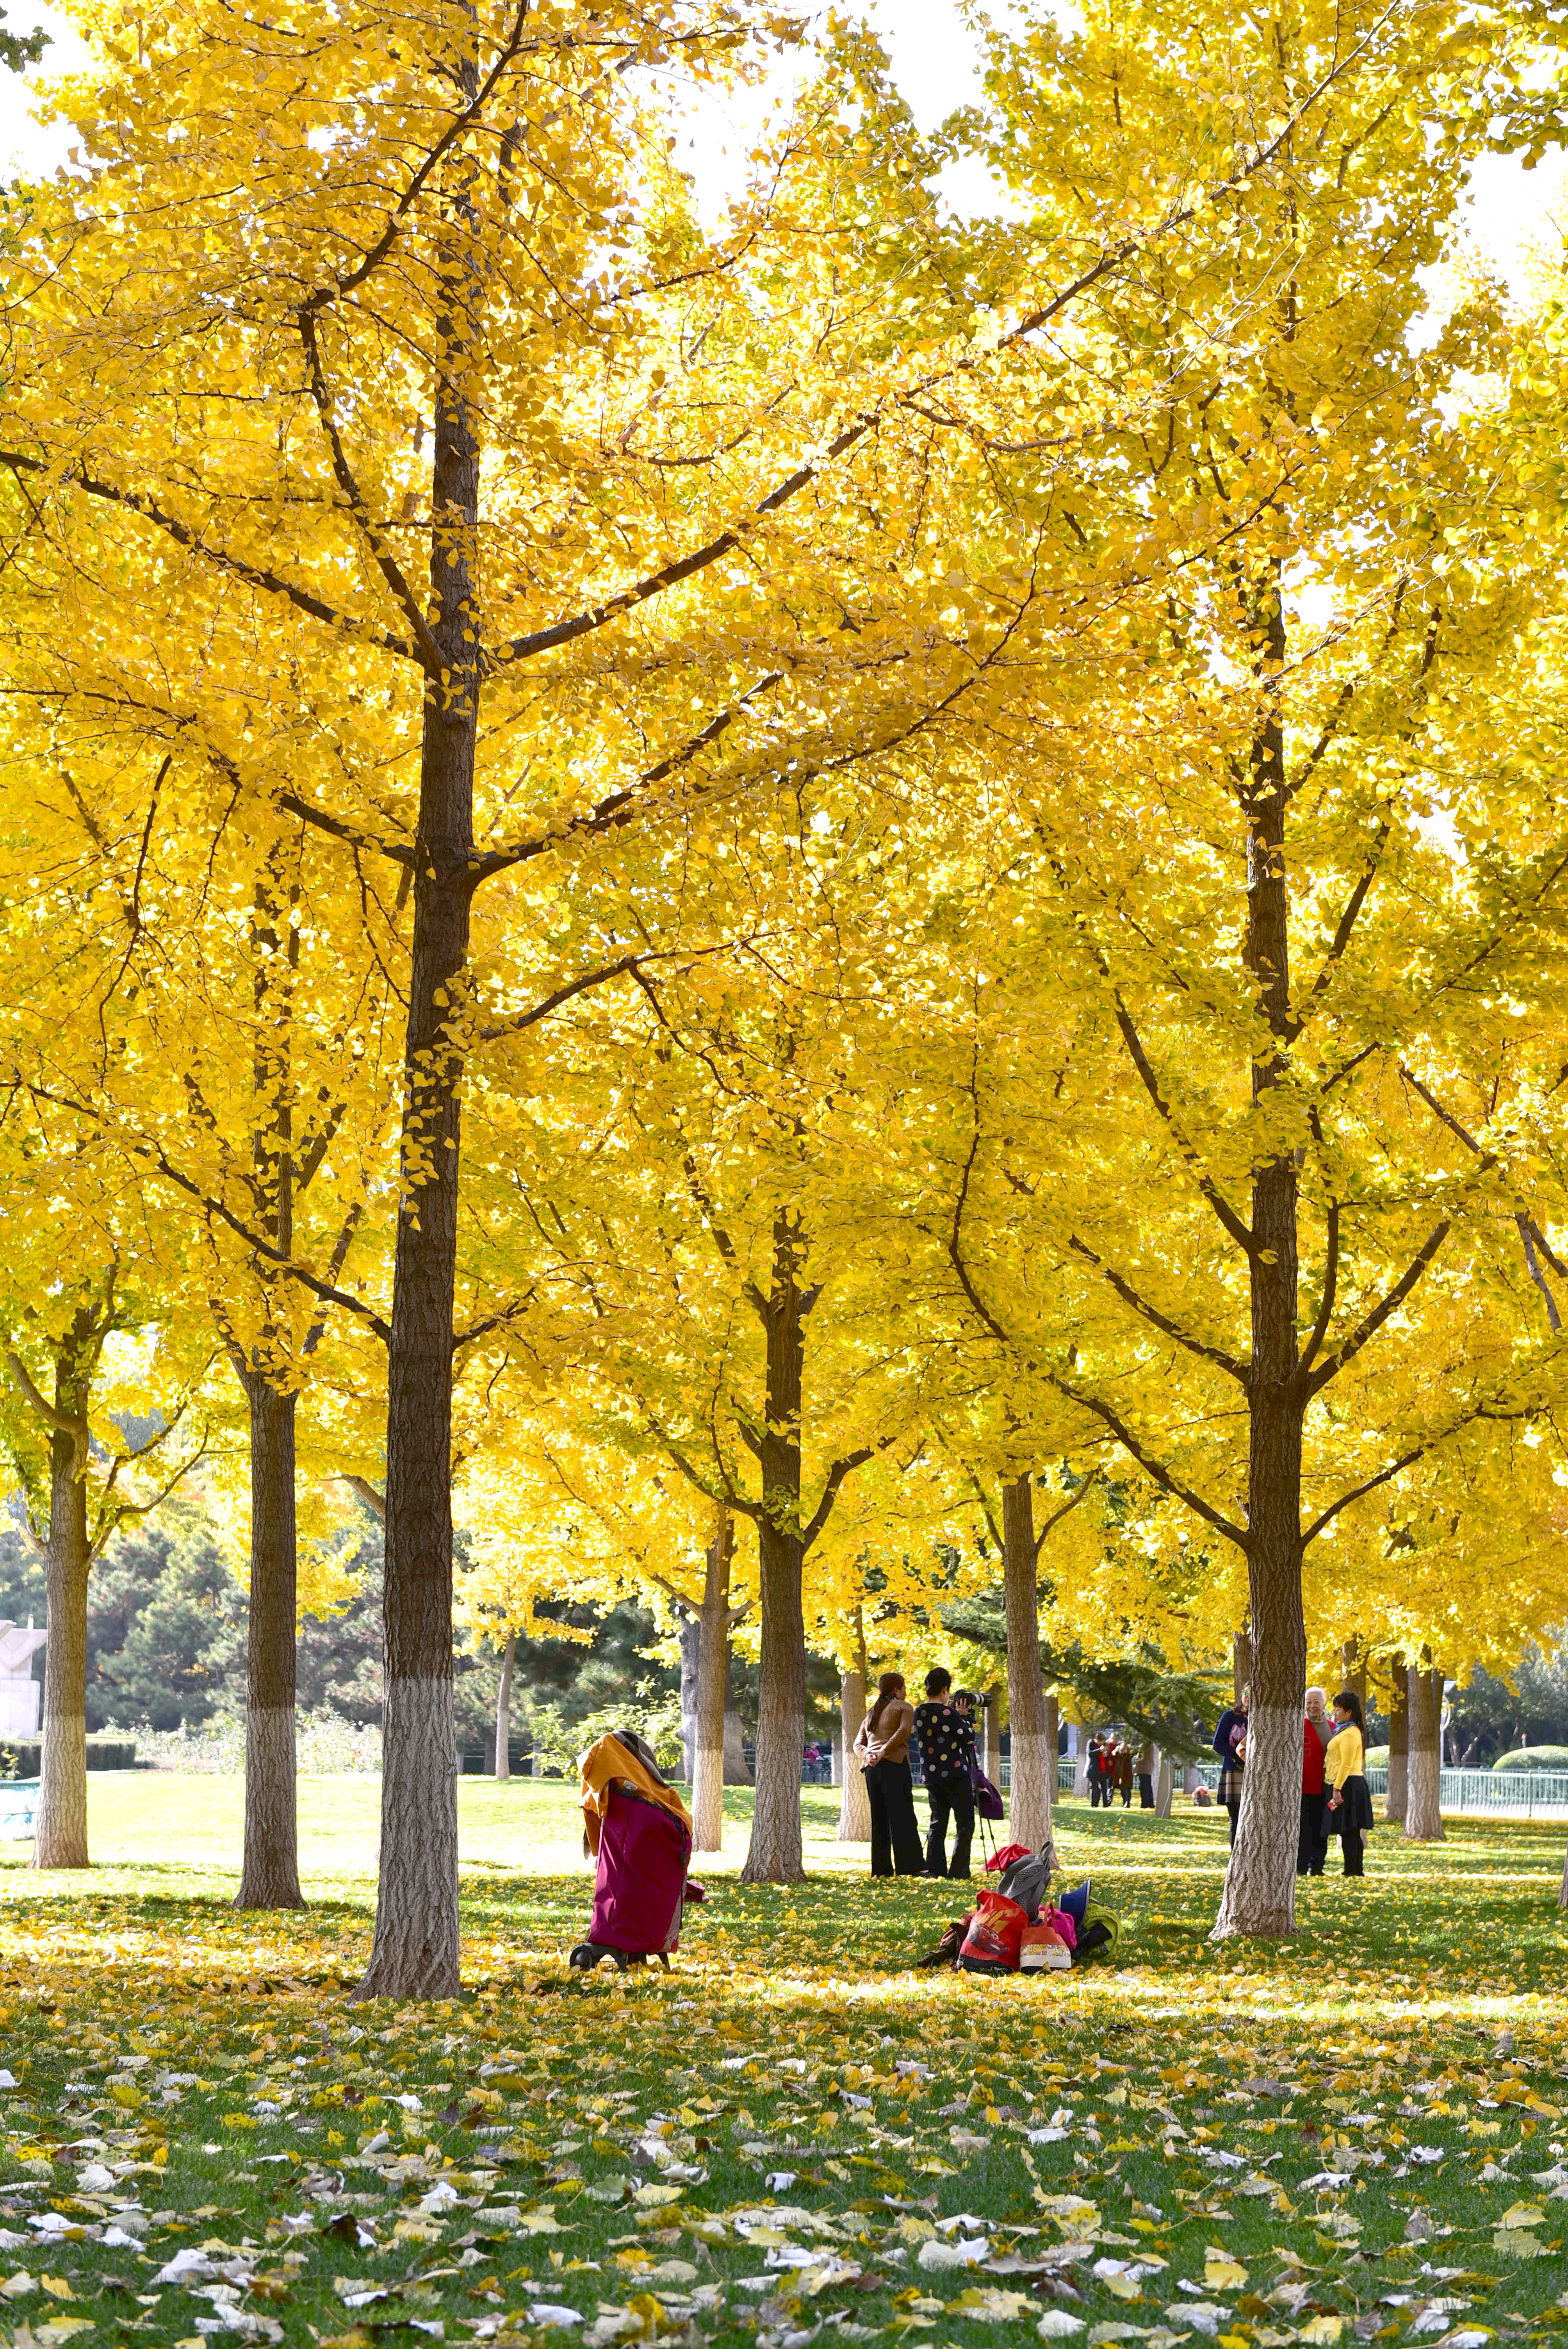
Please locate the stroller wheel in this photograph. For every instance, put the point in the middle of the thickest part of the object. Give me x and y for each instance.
(589, 1954)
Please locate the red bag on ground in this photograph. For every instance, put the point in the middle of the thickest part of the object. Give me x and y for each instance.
(996, 1931)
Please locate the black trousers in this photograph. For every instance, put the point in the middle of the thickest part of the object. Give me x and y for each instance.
(1312, 1848)
(954, 1797)
(1235, 1811)
(895, 1831)
(1145, 1790)
(1096, 1787)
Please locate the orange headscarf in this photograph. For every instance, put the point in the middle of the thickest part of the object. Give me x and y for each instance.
(607, 1760)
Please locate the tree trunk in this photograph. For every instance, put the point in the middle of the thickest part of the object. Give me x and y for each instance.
(1423, 1816)
(712, 1661)
(415, 1953)
(1034, 1758)
(1353, 1661)
(1396, 1803)
(269, 1877)
(61, 1836)
(854, 1803)
(775, 1857)
(990, 1740)
(737, 1773)
(1241, 1664)
(1080, 1758)
(688, 1631)
(1260, 1883)
(503, 1710)
(1164, 1787)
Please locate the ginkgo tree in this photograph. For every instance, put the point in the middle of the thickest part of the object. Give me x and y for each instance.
(1296, 846)
(393, 350)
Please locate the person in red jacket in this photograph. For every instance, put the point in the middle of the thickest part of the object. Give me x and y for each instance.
(1312, 1849)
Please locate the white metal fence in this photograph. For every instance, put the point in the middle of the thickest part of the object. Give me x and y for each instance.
(1496, 1794)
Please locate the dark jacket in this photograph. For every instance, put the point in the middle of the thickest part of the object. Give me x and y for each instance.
(945, 1743)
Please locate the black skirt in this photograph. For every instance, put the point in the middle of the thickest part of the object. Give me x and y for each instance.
(1353, 1813)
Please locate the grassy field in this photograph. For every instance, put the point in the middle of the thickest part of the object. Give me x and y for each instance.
(794, 2134)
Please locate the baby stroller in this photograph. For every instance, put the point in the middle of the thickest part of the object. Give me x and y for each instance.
(640, 1830)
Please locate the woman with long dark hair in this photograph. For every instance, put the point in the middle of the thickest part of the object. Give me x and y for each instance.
(882, 1749)
(1349, 1811)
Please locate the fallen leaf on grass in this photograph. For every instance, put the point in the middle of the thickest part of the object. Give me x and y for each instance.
(992, 2305)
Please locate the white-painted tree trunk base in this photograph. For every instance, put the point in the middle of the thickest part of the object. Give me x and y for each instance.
(416, 1951)
(708, 1796)
(1164, 1787)
(1423, 1809)
(270, 1875)
(1030, 1795)
(503, 1710)
(1258, 1898)
(60, 1835)
(1397, 1801)
(854, 1803)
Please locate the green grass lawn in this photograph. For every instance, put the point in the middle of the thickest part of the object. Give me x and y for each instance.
(1355, 2136)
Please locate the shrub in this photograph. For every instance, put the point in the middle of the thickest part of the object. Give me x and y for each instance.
(1535, 1757)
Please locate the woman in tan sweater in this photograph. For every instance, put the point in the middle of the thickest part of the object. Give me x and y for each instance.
(882, 1749)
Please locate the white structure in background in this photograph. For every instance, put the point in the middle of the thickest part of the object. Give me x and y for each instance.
(19, 1690)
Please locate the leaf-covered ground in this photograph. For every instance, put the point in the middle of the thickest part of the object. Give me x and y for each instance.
(792, 2136)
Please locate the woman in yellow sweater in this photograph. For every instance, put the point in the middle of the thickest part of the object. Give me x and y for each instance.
(1349, 1811)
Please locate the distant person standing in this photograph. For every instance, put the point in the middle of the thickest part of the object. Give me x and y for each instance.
(946, 1743)
(1349, 1807)
(882, 1749)
(1121, 1771)
(1231, 1745)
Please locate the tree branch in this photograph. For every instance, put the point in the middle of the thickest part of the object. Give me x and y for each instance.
(1074, 1501)
(362, 1490)
(1374, 1320)
(1227, 1215)
(253, 574)
(1526, 1233)
(836, 1475)
(350, 835)
(620, 807)
(342, 473)
(1347, 921)
(656, 583)
(630, 965)
(1405, 1460)
(1164, 1477)
(1150, 1313)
